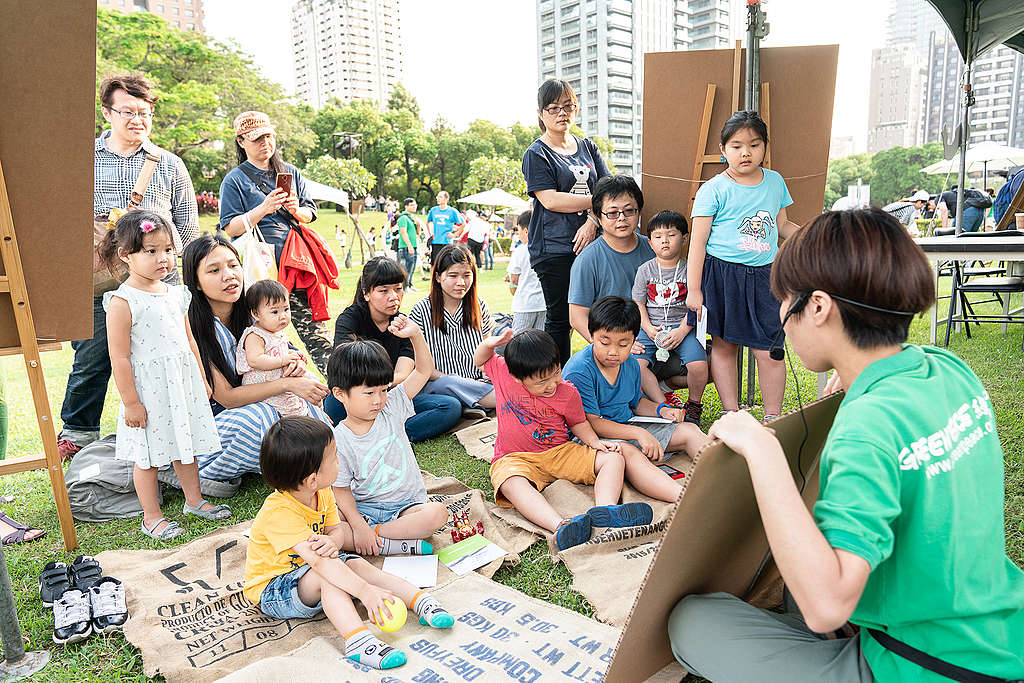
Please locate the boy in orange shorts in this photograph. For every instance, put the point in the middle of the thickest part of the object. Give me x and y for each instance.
(538, 414)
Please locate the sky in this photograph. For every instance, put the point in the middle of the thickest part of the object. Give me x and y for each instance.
(469, 59)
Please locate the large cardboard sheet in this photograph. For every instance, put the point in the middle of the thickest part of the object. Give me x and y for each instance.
(47, 128)
(724, 551)
(801, 92)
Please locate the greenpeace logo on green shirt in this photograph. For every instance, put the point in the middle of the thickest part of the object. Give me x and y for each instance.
(940, 451)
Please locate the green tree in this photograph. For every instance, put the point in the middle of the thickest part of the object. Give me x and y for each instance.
(844, 172)
(401, 98)
(202, 85)
(345, 174)
(896, 172)
(502, 172)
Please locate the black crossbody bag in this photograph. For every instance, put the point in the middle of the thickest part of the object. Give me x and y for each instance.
(262, 184)
(934, 664)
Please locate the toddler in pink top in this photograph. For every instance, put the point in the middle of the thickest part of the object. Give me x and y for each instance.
(539, 415)
(263, 352)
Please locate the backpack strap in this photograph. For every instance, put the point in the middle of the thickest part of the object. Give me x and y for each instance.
(933, 664)
(142, 182)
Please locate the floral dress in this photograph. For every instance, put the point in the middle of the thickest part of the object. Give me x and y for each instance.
(276, 346)
(179, 421)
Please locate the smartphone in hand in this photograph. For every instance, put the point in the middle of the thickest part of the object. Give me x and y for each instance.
(284, 182)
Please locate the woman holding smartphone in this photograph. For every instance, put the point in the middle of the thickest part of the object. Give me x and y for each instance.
(266, 193)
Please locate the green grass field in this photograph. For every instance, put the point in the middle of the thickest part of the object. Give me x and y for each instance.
(995, 357)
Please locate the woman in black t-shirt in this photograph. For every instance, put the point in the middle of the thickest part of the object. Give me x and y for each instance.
(561, 171)
(377, 301)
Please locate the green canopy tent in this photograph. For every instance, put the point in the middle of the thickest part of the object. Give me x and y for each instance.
(978, 26)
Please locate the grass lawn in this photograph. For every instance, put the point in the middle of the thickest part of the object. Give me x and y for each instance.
(996, 358)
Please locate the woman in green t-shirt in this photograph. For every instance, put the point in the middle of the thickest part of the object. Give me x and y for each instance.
(906, 540)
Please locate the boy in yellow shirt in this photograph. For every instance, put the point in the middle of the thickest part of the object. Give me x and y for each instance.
(292, 566)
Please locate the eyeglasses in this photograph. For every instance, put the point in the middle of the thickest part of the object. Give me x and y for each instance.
(554, 109)
(616, 215)
(128, 114)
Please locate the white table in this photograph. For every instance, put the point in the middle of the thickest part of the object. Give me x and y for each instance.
(951, 248)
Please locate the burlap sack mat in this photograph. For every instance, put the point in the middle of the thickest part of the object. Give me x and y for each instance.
(608, 569)
(499, 634)
(191, 622)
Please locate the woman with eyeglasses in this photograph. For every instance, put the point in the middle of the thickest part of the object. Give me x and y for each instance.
(561, 170)
(259, 193)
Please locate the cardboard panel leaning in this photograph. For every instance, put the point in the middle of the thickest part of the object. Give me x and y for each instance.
(801, 85)
(725, 550)
(47, 128)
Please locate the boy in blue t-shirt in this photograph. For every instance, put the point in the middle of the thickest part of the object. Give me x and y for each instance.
(607, 378)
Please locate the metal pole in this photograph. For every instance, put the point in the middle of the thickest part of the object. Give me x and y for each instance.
(18, 664)
(757, 28)
(970, 35)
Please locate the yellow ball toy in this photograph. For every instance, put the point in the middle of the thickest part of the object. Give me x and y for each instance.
(399, 613)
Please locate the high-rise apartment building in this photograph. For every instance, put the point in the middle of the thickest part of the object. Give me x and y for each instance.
(917, 85)
(346, 49)
(894, 104)
(998, 83)
(598, 47)
(184, 14)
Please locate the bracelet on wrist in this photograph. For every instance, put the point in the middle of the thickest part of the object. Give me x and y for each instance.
(660, 406)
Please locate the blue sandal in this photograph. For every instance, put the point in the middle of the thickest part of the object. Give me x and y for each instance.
(217, 512)
(573, 532)
(618, 516)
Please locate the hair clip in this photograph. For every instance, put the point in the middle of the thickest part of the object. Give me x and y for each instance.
(147, 226)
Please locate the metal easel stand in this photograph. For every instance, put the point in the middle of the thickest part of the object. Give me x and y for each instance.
(17, 664)
(757, 28)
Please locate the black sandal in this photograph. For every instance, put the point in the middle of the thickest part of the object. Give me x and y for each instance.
(19, 533)
(85, 572)
(53, 581)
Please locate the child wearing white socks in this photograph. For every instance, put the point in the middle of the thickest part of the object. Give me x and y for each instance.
(293, 568)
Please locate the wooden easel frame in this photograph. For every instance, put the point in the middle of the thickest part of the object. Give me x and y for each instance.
(702, 158)
(13, 285)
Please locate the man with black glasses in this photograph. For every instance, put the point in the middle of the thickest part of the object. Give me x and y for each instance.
(123, 154)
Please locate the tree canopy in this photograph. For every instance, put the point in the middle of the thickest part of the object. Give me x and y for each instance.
(203, 84)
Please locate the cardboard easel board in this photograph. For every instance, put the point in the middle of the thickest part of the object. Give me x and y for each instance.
(802, 85)
(724, 551)
(47, 128)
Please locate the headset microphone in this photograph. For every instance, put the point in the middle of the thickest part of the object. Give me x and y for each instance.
(777, 351)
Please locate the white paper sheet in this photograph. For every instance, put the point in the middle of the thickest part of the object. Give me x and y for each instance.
(419, 570)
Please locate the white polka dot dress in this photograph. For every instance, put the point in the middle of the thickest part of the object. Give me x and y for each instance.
(179, 422)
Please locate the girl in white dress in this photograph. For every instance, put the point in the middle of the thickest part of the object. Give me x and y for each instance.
(165, 414)
(263, 352)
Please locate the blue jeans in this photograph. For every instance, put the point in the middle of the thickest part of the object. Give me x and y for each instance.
(407, 257)
(489, 256)
(435, 415)
(974, 218)
(87, 383)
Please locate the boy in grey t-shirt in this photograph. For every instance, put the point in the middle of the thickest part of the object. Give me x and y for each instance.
(666, 325)
(379, 489)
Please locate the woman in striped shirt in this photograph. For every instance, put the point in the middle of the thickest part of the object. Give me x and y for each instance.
(454, 321)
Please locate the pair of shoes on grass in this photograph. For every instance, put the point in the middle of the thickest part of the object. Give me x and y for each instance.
(575, 531)
(83, 600)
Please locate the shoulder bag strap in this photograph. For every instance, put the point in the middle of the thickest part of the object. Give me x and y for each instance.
(259, 183)
(933, 664)
(142, 183)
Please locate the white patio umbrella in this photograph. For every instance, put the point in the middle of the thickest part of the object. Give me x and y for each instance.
(326, 193)
(496, 197)
(980, 157)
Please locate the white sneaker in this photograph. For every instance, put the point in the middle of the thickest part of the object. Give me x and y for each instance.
(109, 608)
(71, 618)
